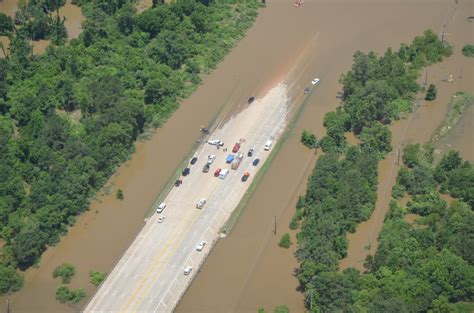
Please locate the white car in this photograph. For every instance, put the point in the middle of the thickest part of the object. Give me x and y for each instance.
(201, 245)
(188, 270)
(315, 81)
(200, 204)
(161, 219)
(215, 142)
(161, 207)
(210, 158)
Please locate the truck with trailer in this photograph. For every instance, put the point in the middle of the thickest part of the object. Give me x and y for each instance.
(236, 162)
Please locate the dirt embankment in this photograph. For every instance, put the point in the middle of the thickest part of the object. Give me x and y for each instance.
(418, 128)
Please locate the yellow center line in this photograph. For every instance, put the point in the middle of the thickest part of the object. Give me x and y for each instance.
(156, 261)
(180, 240)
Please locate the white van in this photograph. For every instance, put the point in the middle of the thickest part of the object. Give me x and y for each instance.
(161, 207)
(268, 144)
(223, 173)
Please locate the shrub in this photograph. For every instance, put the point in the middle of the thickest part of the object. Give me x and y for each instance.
(96, 277)
(119, 194)
(72, 296)
(468, 50)
(309, 139)
(65, 271)
(285, 241)
(431, 93)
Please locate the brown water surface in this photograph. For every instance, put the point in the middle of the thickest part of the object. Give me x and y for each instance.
(9, 7)
(247, 269)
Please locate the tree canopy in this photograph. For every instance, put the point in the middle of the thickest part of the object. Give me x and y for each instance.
(70, 116)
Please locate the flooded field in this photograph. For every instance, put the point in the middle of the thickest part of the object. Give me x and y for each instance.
(69, 11)
(420, 126)
(246, 270)
(460, 137)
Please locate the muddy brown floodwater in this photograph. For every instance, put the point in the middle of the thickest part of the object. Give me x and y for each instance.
(246, 270)
(69, 11)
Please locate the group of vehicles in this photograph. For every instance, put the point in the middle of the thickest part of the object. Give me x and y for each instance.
(234, 159)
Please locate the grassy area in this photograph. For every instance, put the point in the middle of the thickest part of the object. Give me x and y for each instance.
(234, 217)
(461, 100)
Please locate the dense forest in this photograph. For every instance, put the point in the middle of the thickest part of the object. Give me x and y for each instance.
(420, 267)
(70, 116)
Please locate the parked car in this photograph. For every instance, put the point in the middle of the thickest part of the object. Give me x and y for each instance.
(217, 172)
(200, 204)
(161, 207)
(188, 270)
(255, 162)
(193, 161)
(186, 171)
(216, 142)
(250, 153)
(245, 176)
(268, 145)
(178, 183)
(201, 245)
(210, 158)
(161, 219)
(236, 147)
(205, 169)
(315, 81)
(229, 158)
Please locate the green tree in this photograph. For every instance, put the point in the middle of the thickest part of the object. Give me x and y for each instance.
(309, 139)
(119, 194)
(6, 24)
(71, 296)
(431, 93)
(377, 139)
(66, 271)
(96, 277)
(411, 155)
(468, 51)
(285, 241)
(10, 280)
(281, 309)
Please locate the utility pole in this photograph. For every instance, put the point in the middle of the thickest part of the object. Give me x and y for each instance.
(8, 305)
(398, 157)
(442, 34)
(460, 73)
(275, 225)
(426, 77)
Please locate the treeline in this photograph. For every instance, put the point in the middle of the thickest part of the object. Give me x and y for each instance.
(378, 90)
(421, 266)
(69, 117)
(341, 192)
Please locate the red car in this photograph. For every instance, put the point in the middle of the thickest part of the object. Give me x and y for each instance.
(236, 147)
(217, 172)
